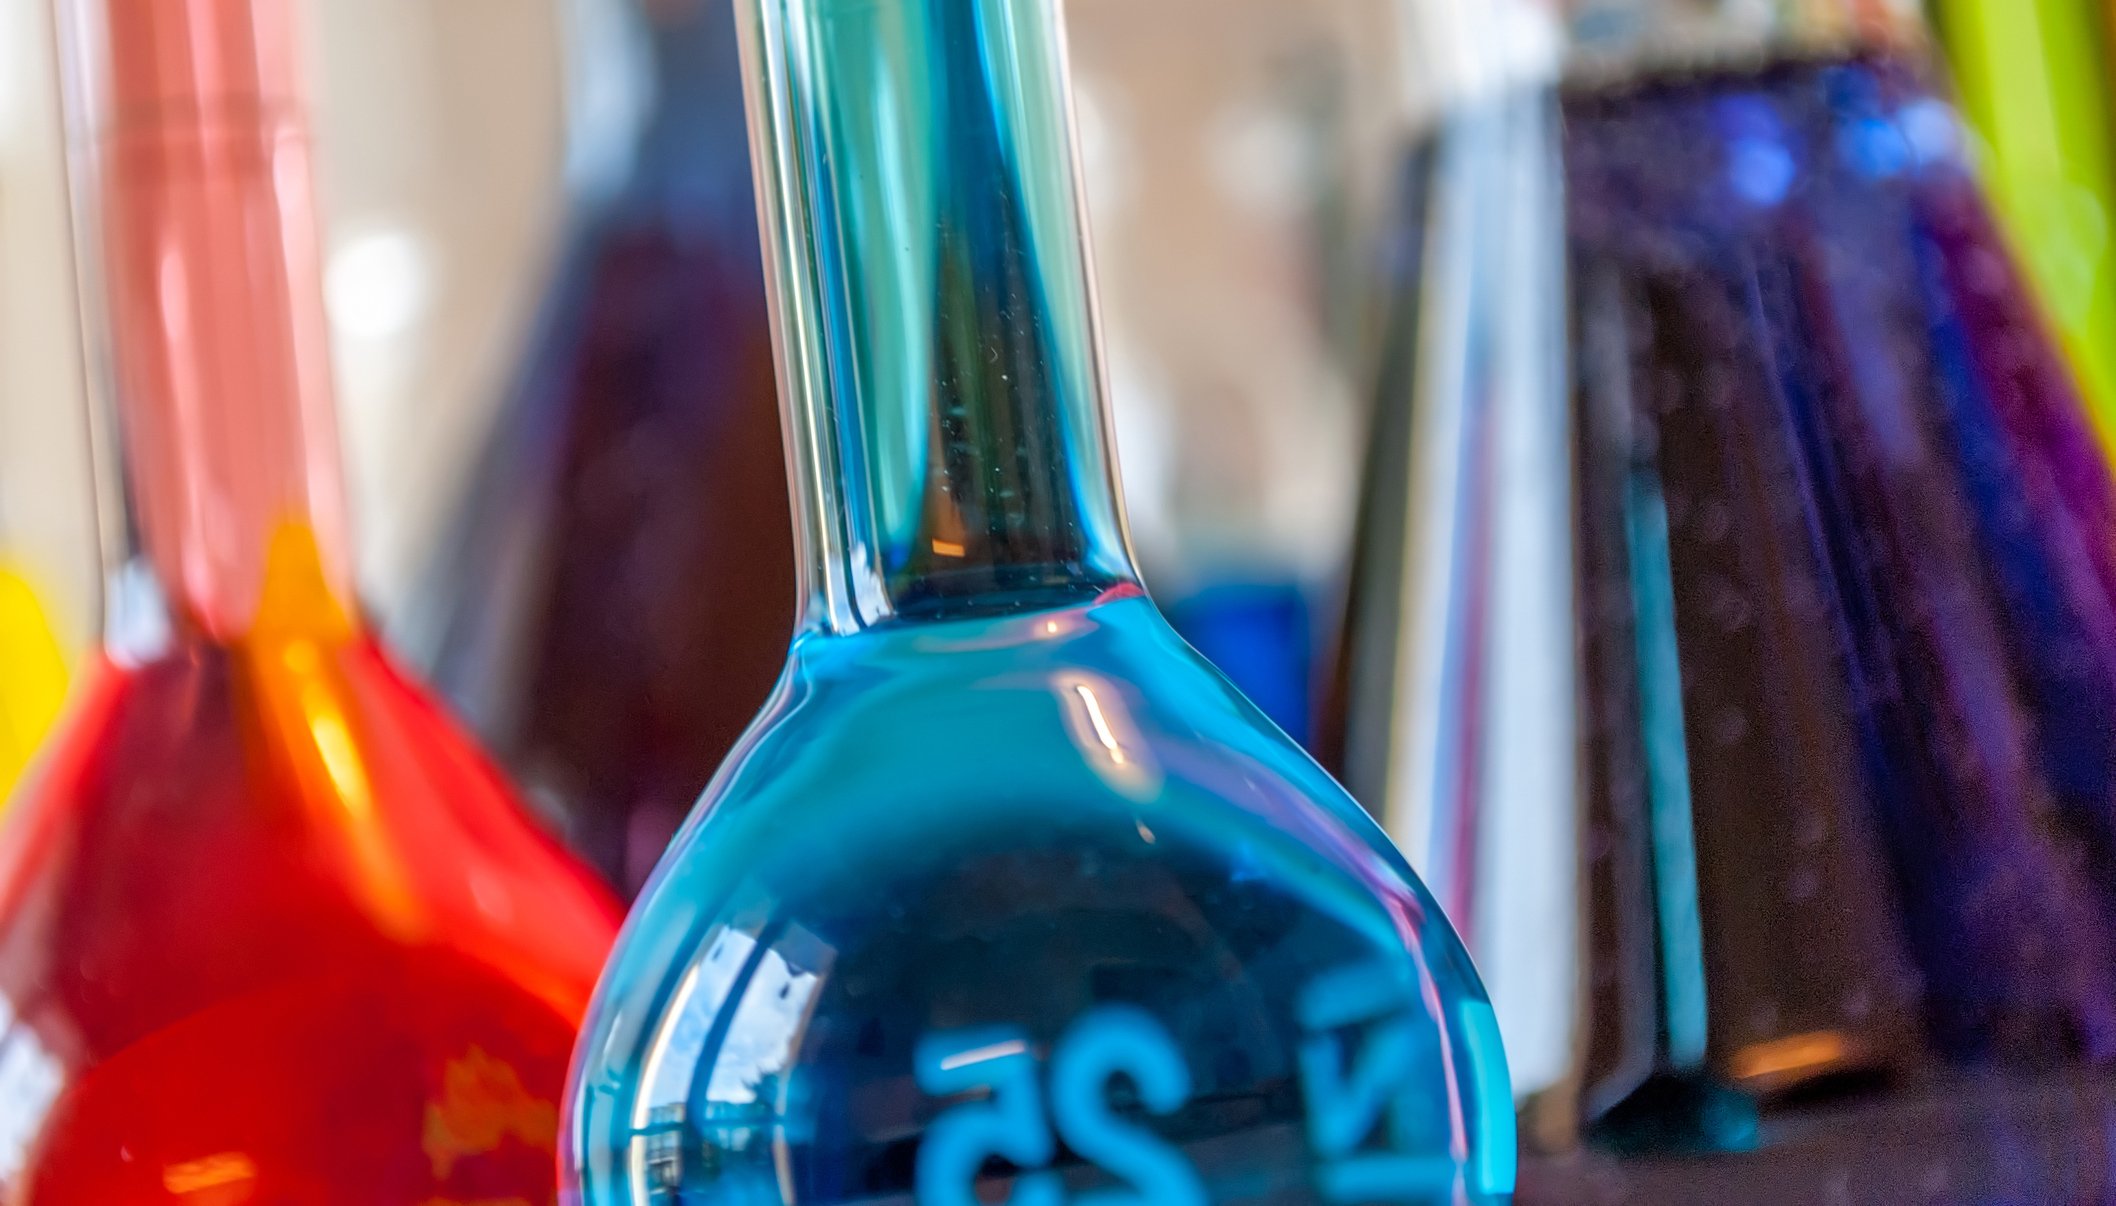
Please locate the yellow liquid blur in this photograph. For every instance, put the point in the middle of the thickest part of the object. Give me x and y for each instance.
(32, 676)
(2033, 77)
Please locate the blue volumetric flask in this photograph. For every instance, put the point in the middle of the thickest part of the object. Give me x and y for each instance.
(1007, 895)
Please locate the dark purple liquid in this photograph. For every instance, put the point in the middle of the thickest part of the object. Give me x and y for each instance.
(615, 602)
(1887, 542)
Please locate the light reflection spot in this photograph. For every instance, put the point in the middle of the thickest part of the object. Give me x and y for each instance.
(978, 1055)
(191, 1176)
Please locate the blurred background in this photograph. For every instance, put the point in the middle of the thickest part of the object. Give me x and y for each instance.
(555, 379)
(1362, 390)
(1238, 166)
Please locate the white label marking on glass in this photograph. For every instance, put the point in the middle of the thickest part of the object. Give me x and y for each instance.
(1352, 1092)
(1011, 1124)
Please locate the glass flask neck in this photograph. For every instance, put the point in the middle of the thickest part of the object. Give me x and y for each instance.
(196, 224)
(933, 308)
(1618, 36)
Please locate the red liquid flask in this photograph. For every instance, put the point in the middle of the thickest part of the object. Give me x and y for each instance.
(271, 931)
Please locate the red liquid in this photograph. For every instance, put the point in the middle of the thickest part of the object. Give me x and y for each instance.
(288, 940)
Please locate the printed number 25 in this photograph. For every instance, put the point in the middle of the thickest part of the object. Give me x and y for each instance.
(1012, 1126)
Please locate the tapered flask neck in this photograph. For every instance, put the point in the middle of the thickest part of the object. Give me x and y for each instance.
(947, 430)
(196, 224)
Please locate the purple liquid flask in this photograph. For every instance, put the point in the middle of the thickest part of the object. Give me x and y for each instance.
(1744, 681)
(609, 608)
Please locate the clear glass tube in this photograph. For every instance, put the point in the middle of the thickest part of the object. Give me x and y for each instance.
(941, 363)
(194, 191)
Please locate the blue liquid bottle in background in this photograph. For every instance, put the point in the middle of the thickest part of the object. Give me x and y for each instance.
(609, 606)
(1006, 893)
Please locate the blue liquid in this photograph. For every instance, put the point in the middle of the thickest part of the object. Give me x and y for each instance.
(1033, 908)
(1261, 636)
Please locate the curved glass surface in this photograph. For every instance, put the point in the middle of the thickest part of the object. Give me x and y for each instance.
(1036, 902)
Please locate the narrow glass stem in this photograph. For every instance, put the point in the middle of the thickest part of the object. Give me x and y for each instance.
(947, 432)
(195, 216)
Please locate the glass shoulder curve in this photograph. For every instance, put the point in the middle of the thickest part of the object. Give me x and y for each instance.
(1047, 855)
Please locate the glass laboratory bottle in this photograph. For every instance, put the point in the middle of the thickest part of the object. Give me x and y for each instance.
(609, 608)
(270, 929)
(1804, 544)
(1006, 892)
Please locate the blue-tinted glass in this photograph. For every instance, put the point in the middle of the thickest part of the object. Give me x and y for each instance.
(986, 839)
(1007, 893)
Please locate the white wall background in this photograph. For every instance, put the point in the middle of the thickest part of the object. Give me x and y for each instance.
(439, 151)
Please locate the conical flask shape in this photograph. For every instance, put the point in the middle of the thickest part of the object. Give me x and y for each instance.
(270, 929)
(1745, 679)
(1006, 895)
(609, 606)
